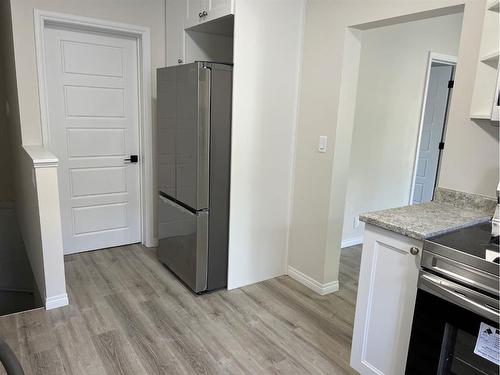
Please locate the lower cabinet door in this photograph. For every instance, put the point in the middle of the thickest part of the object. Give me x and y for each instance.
(183, 242)
(385, 302)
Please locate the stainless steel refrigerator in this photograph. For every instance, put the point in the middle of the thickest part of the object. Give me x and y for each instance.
(194, 147)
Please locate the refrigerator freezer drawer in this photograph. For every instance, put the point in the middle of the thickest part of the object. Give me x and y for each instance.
(183, 242)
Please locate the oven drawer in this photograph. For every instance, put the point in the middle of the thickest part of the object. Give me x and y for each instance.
(444, 336)
(183, 242)
(459, 295)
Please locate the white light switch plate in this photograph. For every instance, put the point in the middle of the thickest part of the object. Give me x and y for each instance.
(323, 141)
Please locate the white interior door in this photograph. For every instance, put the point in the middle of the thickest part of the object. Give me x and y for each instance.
(432, 132)
(92, 90)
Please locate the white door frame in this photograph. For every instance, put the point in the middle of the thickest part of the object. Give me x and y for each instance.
(43, 18)
(433, 57)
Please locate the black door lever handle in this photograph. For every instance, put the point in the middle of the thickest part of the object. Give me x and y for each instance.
(132, 159)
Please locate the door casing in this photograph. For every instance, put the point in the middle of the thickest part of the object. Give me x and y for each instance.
(43, 18)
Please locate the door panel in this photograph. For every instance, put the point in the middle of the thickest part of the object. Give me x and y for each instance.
(79, 58)
(184, 134)
(175, 21)
(93, 101)
(88, 181)
(183, 242)
(418, 192)
(93, 125)
(214, 9)
(432, 132)
(193, 9)
(385, 302)
(99, 218)
(167, 123)
(96, 142)
(218, 8)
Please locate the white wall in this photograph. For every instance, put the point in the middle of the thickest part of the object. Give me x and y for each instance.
(392, 76)
(320, 182)
(267, 49)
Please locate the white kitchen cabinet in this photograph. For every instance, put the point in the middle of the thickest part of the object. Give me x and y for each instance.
(194, 11)
(208, 41)
(386, 299)
(201, 11)
(175, 10)
(219, 8)
(484, 104)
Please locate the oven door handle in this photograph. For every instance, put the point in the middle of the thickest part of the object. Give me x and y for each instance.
(459, 295)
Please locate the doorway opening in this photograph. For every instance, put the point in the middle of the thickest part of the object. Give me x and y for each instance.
(386, 111)
(438, 87)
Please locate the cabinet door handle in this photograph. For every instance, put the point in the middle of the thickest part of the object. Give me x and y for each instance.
(414, 250)
(179, 61)
(200, 14)
(204, 14)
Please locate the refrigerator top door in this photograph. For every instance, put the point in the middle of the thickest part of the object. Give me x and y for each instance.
(184, 133)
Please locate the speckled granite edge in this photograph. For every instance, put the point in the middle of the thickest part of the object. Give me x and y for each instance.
(419, 235)
(449, 211)
(464, 200)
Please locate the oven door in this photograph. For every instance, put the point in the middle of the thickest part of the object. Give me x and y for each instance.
(446, 325)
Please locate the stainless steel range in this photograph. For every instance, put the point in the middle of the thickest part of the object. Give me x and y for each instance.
(456, 321)
(468, 258)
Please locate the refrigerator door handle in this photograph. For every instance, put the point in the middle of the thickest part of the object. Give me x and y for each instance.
(205, 78)
(201, 251)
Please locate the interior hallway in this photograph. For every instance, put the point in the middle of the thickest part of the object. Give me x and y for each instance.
(128, 315)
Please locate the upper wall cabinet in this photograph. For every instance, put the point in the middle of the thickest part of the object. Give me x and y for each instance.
(199, 30)
(485, 105)
(201, 11)
(194, 12)
(175, 31)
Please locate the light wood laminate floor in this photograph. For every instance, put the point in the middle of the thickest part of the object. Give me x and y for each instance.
(130, 315)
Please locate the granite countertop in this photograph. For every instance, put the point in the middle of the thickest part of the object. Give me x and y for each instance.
(449, 211)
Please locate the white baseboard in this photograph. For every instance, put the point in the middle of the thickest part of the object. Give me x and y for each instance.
(352, 242)
(56, 301)
(312, 284)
